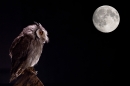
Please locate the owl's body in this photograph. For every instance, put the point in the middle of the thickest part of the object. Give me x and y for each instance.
(26, 49)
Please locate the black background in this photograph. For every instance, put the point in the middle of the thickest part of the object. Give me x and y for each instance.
(77, 52)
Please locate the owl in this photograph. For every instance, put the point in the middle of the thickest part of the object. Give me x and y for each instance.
(26, 49)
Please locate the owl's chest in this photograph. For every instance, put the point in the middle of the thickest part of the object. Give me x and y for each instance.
(35, 53)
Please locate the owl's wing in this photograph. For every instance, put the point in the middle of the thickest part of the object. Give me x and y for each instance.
(19, 52)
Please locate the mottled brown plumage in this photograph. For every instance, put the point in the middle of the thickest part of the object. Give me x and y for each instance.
(26, 49)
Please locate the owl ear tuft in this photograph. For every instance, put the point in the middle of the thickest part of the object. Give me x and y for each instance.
(36, 23)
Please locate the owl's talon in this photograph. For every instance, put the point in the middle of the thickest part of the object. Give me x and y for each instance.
(34, 72)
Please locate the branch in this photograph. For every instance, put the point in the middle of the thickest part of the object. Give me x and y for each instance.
(28, 78)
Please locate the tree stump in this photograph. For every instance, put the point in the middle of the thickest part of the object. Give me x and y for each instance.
(28, 78)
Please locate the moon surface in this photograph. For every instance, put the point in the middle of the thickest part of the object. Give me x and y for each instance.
(106, 18)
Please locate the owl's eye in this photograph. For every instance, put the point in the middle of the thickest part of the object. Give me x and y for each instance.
(40, 32)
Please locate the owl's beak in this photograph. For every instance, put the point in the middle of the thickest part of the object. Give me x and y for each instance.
(45, 36)
(46, 39)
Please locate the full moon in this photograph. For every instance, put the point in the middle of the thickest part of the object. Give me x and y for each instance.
(106, 18)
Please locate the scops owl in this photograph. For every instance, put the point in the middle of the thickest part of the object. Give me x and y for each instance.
(26, 49)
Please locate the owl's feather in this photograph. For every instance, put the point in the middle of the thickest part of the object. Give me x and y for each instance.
(19, 52)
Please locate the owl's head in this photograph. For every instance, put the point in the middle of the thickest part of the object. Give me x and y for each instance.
(41, 33)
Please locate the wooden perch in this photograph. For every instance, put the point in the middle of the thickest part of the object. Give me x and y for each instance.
(28, 78)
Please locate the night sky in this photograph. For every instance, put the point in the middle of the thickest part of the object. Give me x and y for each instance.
(77, 53)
